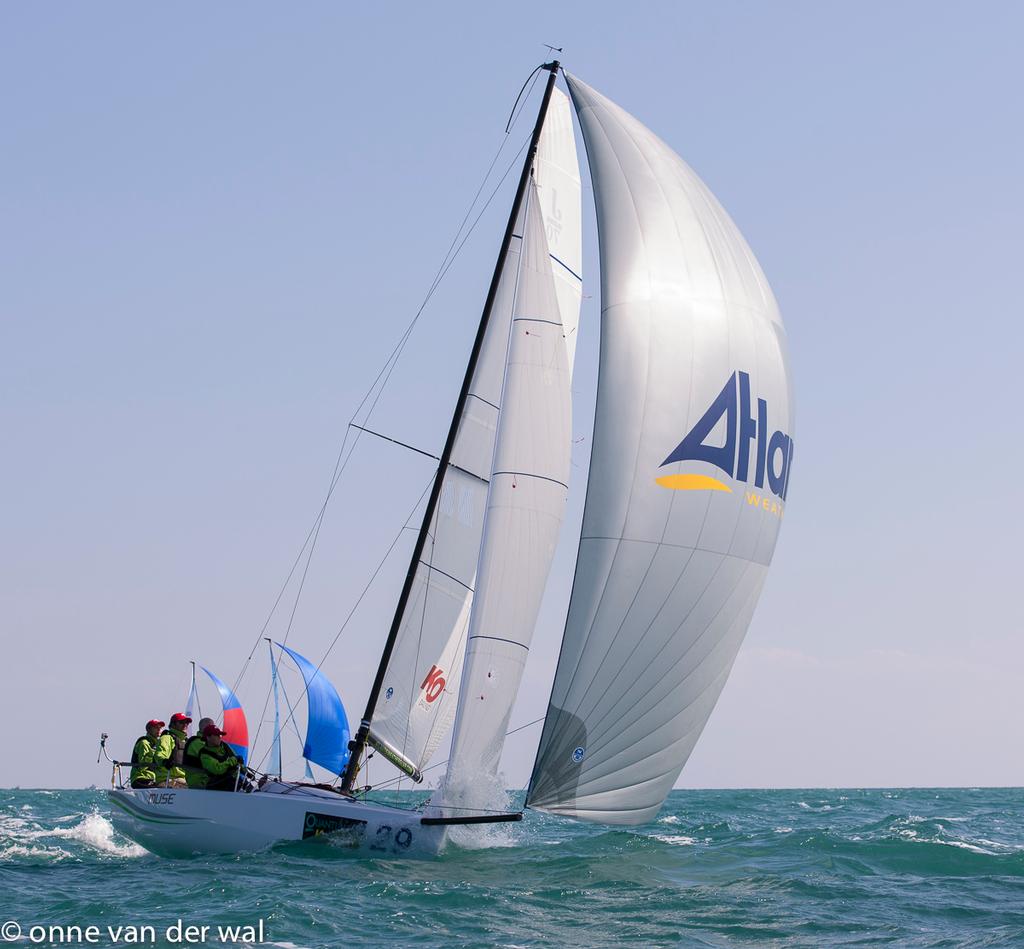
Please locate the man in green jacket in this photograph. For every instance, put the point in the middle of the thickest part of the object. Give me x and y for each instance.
(144, 756)
(218, 761)
(195, 775)
(172, 750)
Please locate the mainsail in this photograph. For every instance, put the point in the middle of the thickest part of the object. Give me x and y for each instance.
(525, 506)
(421, 684)
(689, 472)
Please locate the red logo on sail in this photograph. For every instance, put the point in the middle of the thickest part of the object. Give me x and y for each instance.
(433, 684)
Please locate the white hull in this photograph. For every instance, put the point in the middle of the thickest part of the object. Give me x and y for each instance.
(176, 822)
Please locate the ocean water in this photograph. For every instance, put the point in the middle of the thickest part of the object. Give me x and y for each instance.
(716, 868)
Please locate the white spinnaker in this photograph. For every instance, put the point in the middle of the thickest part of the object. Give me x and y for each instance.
(525, 507)
(420, 689)
(666, 579)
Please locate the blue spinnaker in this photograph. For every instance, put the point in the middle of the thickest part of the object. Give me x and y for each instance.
(327, 733)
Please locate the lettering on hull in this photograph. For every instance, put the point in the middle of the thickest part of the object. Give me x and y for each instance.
(350, 832)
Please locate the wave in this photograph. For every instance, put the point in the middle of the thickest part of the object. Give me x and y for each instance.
(678, 840)
(26, 838)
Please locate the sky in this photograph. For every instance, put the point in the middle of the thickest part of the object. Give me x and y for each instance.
(216, 222)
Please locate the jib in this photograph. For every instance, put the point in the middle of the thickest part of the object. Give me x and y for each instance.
(433, 684)
(773, 454)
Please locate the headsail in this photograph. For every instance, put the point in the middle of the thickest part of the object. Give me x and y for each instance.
(525, 506)
(689, 472)
(421, 686)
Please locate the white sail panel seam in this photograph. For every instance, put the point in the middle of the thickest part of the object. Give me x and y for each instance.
(533, 319)
(480, 398)
(527, 474)
(725, 558)
(433, 569)
(638, 641)
(650, 730)
(498, 639)
(609, 766)
(562, 263)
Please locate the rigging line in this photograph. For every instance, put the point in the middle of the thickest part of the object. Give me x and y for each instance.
(289, 719)
(446, 264)
(315, 530)
(394, 441)
(400, 347)
(369, 583)
(513, 115)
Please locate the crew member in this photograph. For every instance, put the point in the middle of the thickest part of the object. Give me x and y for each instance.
(144, 756)
(195, 775)
(218, 760)
(172, 749)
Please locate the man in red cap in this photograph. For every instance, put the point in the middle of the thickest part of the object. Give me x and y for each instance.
(218, 760)
(144, 756)
(171, 752)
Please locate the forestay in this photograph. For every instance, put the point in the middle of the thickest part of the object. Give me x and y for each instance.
(688, 478)
(421, 685)
(525, 506)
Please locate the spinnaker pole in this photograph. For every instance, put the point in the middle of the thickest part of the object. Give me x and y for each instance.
(358, 744)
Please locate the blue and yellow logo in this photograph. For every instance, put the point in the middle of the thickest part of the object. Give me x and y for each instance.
(745, 436)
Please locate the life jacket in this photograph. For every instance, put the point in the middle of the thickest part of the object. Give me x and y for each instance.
(143, 770)
(214, 764)
(221, 752)
(190, 753)
(178, 754)
(195, 775)
(135, 749)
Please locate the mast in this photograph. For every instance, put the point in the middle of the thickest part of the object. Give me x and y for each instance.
(358, 744)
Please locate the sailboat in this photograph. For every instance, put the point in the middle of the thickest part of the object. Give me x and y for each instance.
(690, 466)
